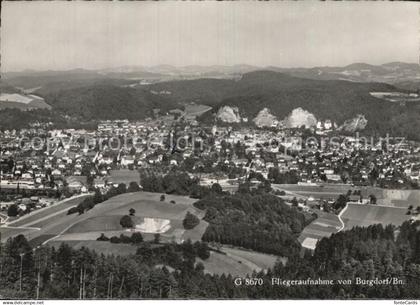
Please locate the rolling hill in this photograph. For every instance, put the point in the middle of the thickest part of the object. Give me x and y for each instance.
(102, 101)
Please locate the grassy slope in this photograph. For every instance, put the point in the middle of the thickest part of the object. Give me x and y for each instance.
(365, 215)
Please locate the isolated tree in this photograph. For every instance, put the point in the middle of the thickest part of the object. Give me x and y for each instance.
(102, 237)
(133, 187)
(162, 197)
(216, 188)
(295, 202)
(190, 221)
(126, 222)
(13, 210)
(122, 188)
(372, 199)
(132, 211)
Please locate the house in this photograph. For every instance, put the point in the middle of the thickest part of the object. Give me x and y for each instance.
(99, 183)
(127, 160)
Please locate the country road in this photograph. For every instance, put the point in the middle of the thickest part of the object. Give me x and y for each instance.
(41, 222)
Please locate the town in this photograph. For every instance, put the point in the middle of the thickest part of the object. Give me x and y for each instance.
(45, 162)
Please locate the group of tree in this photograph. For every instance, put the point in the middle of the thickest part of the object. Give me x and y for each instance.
(258, 221)
(174, 182)
(135, 238)
(90, 202)
(190, 221)
(177, 183)
(277, 177)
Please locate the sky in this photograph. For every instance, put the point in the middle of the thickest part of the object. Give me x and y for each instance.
(94, 35)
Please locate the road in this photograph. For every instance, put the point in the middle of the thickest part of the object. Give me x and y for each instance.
(45, 221)
(339, 218)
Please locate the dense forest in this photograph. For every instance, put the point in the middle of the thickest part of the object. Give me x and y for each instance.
(261, 222)
(368, 253)
(13, 118)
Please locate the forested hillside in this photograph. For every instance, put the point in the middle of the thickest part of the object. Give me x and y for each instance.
(104, 101)
(366, 253)
(337, 100)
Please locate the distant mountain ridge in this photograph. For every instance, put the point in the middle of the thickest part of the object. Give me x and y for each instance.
(90, 96)
(392, 72)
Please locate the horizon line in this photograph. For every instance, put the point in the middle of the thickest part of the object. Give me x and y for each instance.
(203, 66)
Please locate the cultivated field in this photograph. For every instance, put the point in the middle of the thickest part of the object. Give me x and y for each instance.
(324, 191)
(397, 198)
(196, 109)
(46, 221)
(238, 262)
(105, 248)
(105, 218)
(124, 176)
(365, 215)
(325, 225)
(394, 198)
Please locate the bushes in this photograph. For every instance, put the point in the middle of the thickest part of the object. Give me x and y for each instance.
(115, 240)
(136, 238)
(73, 210)
(102, 238)
(85, 205)
(190, 221)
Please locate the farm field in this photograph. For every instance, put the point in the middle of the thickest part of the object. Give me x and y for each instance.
(196, 109)
(31, 218)
(220, 264)
(365, 215)
(324, 191)
(262, 260)
(389, 197)
(105, 217)
(45, 221)
(325, 225)
(124, 176)
(394, 198)
(105, 248)
(237, 262)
